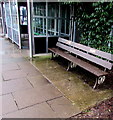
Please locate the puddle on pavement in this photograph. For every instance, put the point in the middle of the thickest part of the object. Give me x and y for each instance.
(76, 84)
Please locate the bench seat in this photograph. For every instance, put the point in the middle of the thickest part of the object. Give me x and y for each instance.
(89, 67)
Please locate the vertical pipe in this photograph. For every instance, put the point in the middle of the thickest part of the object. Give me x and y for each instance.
(74, 32)
(59, 21)
(46, 27)
(43, 21)
(65, 20)
(43, 25)
(72, 23)
(35, 26)
(74, 26)
(70, 26)
(55, 21)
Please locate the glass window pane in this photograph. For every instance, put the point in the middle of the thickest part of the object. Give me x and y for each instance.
(51, 26)
(39, 26)
(15, 22)
(23, 15)
(13, 8)
(39, 8)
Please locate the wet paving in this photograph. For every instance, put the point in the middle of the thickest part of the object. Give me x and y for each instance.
(75, 84)
(24, 91)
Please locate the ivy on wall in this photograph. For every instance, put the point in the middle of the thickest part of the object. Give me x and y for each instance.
(95, 21)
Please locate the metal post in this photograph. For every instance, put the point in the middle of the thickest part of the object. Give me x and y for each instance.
(11, 21)
(3, 28)
(74, 32)
(72, 23)
(55, 24)
(65, 20)
(74, 26)
(59, 21)
(6, 18)
(43, 25)
(70, 26)
(46, 27)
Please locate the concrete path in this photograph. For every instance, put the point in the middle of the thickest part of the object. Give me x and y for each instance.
(24, 92)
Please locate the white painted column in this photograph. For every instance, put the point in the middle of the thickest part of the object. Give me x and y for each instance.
(30, 26)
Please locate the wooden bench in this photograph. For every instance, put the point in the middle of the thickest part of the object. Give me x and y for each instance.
(95, 61)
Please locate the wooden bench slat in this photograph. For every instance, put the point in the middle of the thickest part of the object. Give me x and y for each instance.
(89, 57)
(79, 62)
(88, 49)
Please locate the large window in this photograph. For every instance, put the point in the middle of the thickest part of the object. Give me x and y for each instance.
(49, 20)
(12, 21)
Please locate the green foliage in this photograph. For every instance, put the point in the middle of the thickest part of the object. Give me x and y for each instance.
(94, 20)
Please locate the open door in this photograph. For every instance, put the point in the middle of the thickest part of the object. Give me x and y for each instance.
(23, 25)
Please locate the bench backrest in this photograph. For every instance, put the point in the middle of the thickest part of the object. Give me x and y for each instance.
(87, 53)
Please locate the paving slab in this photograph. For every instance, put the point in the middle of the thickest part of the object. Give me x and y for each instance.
(12, 60)
(14, 74)
(0, 117)
(63, 107)
(32, 73)
(25, 65)
(28, 68)
(11, 66)
(38, 111)
(16, 55)
(38, 80)
(8, 104)
(33, 96)
(15, 85)
(0, 88)
(0, 105)
(4, 56)
(1, 79)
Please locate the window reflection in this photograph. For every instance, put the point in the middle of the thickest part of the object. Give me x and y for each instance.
(23, 15)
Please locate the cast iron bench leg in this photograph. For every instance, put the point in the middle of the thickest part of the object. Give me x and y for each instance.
(54, 55)
(99, 81)
(71, 65)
